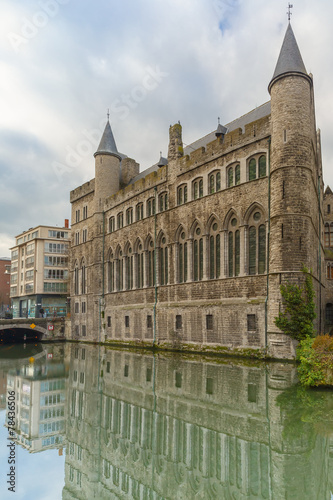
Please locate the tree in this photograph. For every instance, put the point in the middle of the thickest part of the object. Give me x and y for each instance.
(299, 308)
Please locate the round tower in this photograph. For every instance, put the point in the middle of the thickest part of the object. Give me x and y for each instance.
(107, 168)
(293, 174)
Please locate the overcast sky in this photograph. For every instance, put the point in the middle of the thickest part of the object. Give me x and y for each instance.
(151, 62)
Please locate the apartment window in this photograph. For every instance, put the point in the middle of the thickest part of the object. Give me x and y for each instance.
(108, 367)
(120, 220)
(84, 235)
(54, 234)
(328, 209)
(139, 211)
(83, 354)
(178, 322)
(83, 307)
(109, 321)
(127, 321)
(76, 353)
(85, 212)
(77, 238)
(149, 321)
(209, 322)
(111, 224)
(129, 216)
(77, 307)
(251, 323)
(81, 377)
(77, 216)
(75, 380)
(126, 370)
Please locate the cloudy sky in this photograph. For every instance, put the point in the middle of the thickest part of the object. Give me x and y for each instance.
(151, 62)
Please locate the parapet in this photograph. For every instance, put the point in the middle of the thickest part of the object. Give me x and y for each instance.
(83, 190)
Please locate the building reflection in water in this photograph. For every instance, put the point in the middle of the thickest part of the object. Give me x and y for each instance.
(144, 426)
(153, 427)
(40, 395)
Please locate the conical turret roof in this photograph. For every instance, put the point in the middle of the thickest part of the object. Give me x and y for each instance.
(107, 144)
(290, 59)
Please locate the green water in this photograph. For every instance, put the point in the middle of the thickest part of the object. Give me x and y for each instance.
(96, 423)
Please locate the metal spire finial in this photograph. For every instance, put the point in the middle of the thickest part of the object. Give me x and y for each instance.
(289, 13)
(108, 114)
(218, 120)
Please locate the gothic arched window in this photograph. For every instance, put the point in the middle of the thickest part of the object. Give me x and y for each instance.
(129, 268)
(197, 254)
(214, 182)
(237, 175)
(182, 257)
(76, 279)
(120, 271)
(230, 177)
(151, 263)
(110, 273)
(257, 244)
(233, 247)
(214, 251)
(83, 277)
(252, 169)
(262, 166)
(164, 267)
(182, 194)
(139, 266)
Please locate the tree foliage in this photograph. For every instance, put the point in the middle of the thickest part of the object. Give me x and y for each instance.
(298, 315)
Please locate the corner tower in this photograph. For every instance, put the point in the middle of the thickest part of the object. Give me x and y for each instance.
(107, 168)
(294, 176)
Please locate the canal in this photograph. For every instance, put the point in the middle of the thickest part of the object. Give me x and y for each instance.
(88, 422)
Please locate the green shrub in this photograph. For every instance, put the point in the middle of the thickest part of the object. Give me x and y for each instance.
(310, 370)
(299, 309)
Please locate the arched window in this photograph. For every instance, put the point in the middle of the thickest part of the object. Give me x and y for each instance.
(197, 255)
(111, 274)
(120, 220)
(76, 279)
(182, 194)
(214, 182)
(182, 257)
(83, 277)
(197, 189)
(163, 202)
(139, 266)
(233, 247)
(129, 268)
(151, 207)
(252, 169)
(237, 175)
(129, 216)
(257, 244)
(262, 166)
(230, 180)
(214, 251)
(151, 263)
(120, 271)
(112, 225)
(139, 211)
(163, 254)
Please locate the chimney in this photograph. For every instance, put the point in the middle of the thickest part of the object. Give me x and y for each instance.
(66, 223)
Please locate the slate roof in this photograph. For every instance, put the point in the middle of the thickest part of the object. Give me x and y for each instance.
(108, 144)
(290, 59)
(255, 114)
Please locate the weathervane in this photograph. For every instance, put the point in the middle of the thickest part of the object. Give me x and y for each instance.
(289, 13)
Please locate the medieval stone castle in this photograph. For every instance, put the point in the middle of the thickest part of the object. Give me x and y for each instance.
(192, 251)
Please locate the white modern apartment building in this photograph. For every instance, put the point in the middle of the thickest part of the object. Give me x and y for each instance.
(39, 272)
